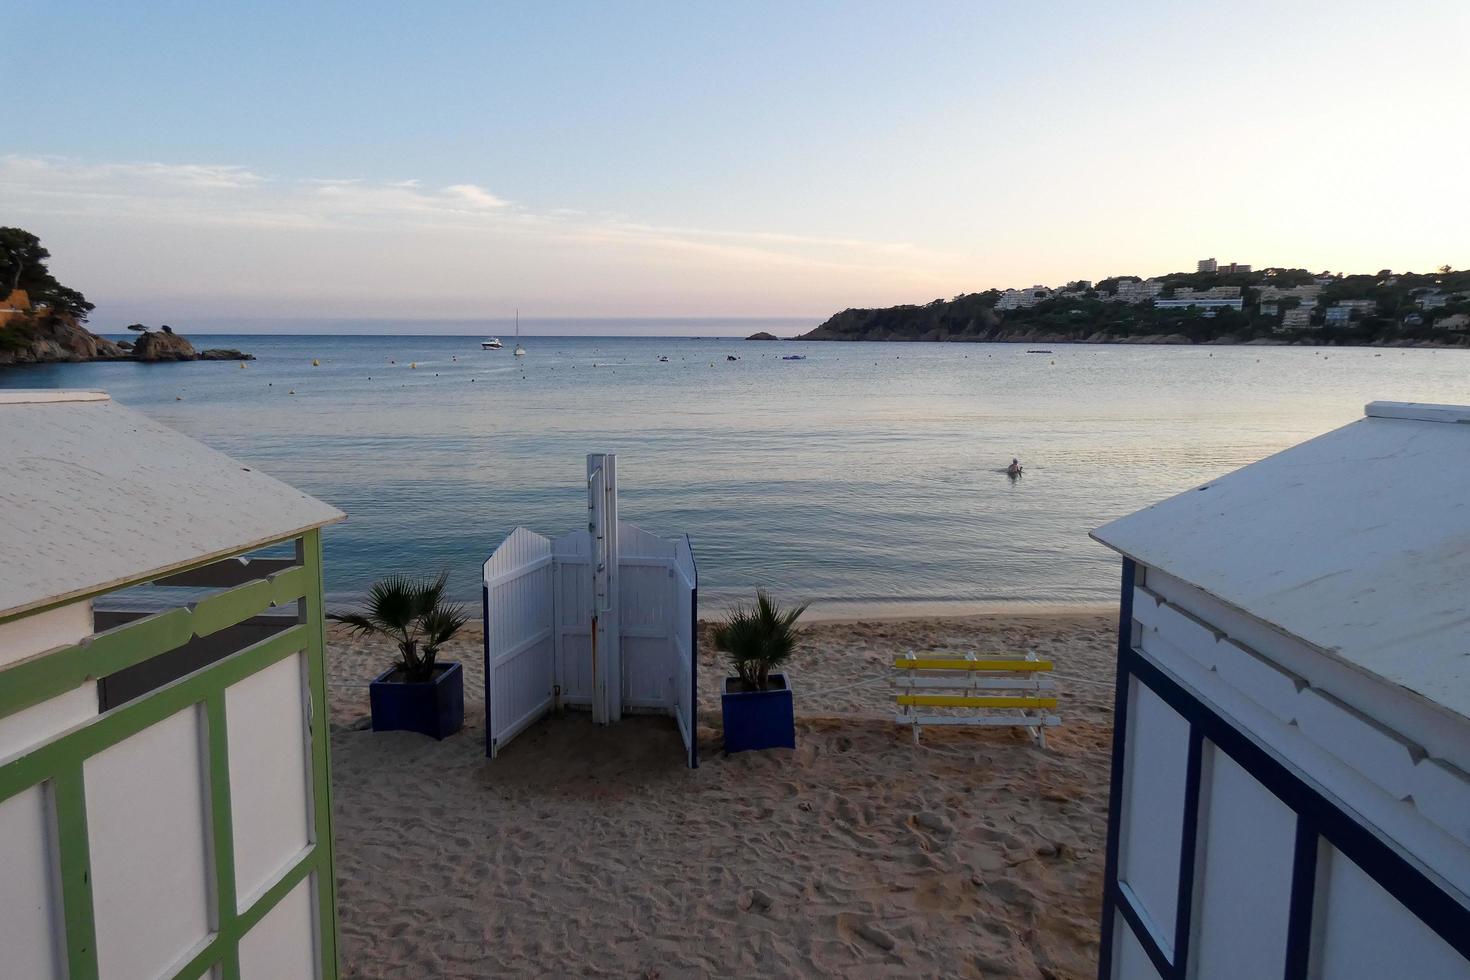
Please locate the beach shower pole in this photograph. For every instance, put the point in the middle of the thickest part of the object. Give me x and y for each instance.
(602, 527)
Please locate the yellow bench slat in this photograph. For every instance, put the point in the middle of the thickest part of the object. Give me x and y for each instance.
(959, 663)
(963, 701)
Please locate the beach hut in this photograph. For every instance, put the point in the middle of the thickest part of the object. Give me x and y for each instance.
(603, 619)
(164, 806)
(1290, 794)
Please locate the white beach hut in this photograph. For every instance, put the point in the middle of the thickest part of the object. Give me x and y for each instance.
(1290, 794)
(604, 618)
(164, 805)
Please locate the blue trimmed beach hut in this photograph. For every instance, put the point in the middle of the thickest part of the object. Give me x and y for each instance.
(1290, 794)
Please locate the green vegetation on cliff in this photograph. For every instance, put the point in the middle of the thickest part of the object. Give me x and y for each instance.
(1084, 313)
(23, 266)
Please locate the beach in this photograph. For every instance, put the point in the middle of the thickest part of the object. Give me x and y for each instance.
(587, 851)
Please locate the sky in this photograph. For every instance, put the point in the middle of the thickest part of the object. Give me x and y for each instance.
(674, 160)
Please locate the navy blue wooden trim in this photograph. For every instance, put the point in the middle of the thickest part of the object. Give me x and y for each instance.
(1303, 888)
(1188, 842)
(485, 622)
(1393, 872)
(1127, 905)
(1115, 790)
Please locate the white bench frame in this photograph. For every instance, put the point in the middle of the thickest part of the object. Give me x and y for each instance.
(975, 683)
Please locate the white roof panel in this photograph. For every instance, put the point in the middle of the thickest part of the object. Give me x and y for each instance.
(1356, 542)
(94, 495)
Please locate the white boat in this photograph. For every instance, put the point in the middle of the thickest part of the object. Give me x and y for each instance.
(519, 351)
(492, 343)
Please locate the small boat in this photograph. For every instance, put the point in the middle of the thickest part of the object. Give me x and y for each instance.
(1039, 352)
(491, 343)
(519, 351)
(663, 358)
(731, 357)
(793, 357)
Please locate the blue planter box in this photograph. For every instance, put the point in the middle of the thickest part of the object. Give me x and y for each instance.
(434, 708)
(758, 719)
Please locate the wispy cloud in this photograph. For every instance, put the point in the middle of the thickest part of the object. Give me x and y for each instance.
(232, 194)
(224, 235)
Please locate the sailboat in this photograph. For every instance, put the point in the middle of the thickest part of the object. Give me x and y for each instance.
(520, 351)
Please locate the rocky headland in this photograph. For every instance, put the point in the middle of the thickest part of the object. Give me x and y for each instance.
(48, 337)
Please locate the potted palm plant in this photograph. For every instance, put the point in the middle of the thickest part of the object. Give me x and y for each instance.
(756, 702)
(416, 694)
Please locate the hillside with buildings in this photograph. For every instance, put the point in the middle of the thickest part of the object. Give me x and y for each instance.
(1217, 303)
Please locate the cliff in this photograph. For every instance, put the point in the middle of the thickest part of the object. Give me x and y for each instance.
(45, 338)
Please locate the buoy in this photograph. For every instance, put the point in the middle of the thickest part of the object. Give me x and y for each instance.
(315, 362)
(413, 364)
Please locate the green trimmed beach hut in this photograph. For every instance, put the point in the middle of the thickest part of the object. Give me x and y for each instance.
(164, 806)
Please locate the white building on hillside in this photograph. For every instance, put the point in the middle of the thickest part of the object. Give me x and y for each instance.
(1214, 298)
(1020, 299)
(1344, 311)
(1136, 292)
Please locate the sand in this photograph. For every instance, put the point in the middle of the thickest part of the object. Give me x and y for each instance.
(595, 852)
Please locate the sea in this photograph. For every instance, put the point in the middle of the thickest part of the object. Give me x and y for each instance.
(865, 478)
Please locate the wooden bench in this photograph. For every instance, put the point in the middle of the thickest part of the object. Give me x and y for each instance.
(979, 690)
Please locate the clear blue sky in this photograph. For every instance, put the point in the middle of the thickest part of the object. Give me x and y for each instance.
(732, 159)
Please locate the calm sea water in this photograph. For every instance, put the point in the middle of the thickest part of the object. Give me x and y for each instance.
(868, 472)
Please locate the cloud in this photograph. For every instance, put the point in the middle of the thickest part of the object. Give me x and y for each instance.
(474, 196)
(350, 225)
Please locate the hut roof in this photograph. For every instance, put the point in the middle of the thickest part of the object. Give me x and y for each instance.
(94, 496)
(1356, 542)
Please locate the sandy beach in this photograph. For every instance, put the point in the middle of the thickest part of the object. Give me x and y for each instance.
(582, 851)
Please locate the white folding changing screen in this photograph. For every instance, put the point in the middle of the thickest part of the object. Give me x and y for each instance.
(602, 618)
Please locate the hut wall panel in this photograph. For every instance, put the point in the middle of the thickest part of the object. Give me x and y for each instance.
(1153, 803)
(146, 822)
(1243, 875)
(30, 635)
(1131, 962)
(1442, 736)
(1258, 679)
(281, 944)
(30, 891)
(1365, 934)
(34, 725)
(270, 775)
(1368, 747)
(1442, 794)
(26, 637)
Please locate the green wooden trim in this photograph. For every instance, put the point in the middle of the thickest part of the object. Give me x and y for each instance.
(69, 748)
(224, 947)
(69, 794)
(47, 675)
(311, 555)
(223, 836)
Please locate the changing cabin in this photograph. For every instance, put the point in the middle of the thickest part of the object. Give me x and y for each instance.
(164, 805)
(1290, 794)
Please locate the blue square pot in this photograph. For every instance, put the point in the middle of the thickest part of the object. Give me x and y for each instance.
(434, 708)
(758, 719)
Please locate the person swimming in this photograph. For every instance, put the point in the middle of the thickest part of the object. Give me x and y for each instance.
(1015, 468)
